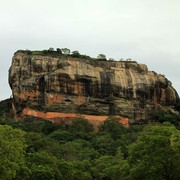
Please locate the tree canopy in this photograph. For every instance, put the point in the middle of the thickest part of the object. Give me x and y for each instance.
(41, 150)
(12, 152)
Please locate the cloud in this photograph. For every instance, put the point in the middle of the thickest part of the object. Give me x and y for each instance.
(147, 31)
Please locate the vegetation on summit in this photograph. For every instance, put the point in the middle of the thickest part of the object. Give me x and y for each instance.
(67, 52)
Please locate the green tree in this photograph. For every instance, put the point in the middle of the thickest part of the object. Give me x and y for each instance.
(78, 149)
(61, 136)
(76, 54)
(112, 126)
(81, 129)
(66, 51)
(168, 116)
(110, 167)
(81, 125)
(102, 56)
(51, 49)
(12, 153)
(43, 166)
(79, 170)
(58, 50)
(104, 144)
(35, 141)
(155, 154)
(39, 126)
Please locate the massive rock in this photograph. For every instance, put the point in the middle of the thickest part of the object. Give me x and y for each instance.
(67, 84)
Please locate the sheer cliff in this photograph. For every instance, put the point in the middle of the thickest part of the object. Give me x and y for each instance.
(70, 85)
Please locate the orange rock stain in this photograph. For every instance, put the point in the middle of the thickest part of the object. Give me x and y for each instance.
(57, 117)
(53, 98)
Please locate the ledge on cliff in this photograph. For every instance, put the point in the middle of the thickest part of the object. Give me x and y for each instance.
(54, 82)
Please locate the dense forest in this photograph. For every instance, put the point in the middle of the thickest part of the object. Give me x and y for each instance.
(38, 149)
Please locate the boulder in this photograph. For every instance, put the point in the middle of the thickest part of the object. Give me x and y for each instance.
(67, 84)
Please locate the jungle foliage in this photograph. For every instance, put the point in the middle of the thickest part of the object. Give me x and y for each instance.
(38, 149)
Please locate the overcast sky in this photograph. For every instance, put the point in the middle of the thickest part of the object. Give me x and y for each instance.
(145, 30)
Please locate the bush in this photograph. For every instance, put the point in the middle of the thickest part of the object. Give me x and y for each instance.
(163, 116)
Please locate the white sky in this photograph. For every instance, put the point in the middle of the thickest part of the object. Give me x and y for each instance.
(145, 30)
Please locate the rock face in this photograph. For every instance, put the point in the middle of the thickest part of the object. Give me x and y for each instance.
(72, 85)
